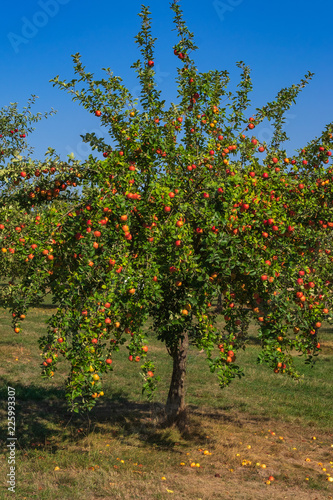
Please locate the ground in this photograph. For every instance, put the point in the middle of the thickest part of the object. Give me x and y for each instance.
(262, 425)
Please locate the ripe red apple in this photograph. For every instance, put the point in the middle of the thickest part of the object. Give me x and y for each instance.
(178, 243)
(252, 174)
(150, 64)
(108, 361)
(265, 175)
(94, 340)
(167, 209)
(98, 112)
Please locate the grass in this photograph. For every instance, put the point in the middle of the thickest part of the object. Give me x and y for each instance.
(121, 452)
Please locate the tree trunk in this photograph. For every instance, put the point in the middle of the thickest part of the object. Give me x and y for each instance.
(175, 405)
(219, 304)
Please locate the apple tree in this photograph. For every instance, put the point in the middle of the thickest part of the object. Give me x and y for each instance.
(179, 206)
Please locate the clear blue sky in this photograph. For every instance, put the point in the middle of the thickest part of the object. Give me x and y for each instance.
(280, 41)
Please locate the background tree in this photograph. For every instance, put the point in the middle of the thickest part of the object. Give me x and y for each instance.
(187, 205)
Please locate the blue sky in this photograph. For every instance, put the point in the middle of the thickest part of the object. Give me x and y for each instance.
(280, 41)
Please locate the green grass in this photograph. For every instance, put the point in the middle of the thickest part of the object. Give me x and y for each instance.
(123, 426)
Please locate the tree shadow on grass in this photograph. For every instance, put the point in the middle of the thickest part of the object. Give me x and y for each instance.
(42, 419)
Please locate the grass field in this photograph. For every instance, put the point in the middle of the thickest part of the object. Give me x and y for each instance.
(120, 452)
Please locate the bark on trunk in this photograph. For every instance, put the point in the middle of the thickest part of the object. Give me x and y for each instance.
(175, 405)
(219, 304)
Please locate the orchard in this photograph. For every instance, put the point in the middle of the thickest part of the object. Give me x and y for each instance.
(182, 205)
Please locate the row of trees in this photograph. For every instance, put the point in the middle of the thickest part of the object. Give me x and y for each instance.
(185, 205)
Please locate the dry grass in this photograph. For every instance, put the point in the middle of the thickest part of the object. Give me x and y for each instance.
(130, 460)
